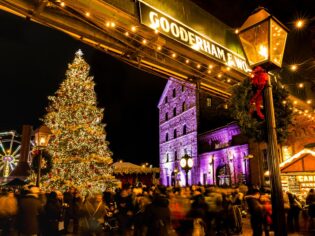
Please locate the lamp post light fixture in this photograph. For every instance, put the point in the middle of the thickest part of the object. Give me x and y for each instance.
(42, 136)
(263, 38)
(186, 163)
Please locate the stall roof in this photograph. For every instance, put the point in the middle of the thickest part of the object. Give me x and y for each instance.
(303, 161)
(130, 168)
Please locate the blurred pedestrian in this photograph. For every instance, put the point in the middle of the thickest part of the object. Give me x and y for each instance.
(29, 210)
(256, 211)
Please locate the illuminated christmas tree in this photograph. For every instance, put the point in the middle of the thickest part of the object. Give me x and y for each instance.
(80, 151)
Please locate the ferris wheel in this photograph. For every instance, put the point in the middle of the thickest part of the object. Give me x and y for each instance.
(10, 146)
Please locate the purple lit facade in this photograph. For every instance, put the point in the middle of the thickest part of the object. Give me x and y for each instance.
(216, 160)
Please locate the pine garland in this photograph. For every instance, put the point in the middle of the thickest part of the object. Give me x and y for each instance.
(251, 125)
(46, 162)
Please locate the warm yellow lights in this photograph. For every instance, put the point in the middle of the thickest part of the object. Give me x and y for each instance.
(236, 31)
(174, 55)
(228, 80)
(295, 102)
(133, 29)
(187, 61)
(198, 66)
(87, 14)
(62, 4)
(107, 24)
(301, 85)
(309, 101)
(156, 31)
(159, 48)
(209, 71)
(293, 67)
(112, 24)
(144, 41)
(284, 102)
(127, 33)
(263, 51)
(219, 75)
(210, 66)
(228, 68)
(299, 24)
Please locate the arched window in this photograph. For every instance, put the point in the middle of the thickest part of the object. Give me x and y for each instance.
(166, 116)
(174, 93)
(167, 158)
(175, 155)
(184, 106)
(174, 111)
(184, 130)
(175, 133)
(183, 88)
(166, 100)
(166, 137)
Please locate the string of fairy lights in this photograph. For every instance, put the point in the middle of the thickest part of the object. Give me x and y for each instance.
(212, 70)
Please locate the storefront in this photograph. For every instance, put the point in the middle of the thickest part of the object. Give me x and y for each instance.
(298, 172)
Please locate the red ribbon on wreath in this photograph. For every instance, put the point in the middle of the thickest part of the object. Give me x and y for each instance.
(258, 81)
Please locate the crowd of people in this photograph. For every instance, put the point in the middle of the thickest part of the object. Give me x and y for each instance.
(142, 210)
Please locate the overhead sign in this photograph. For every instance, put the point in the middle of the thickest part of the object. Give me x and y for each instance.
(178, 31)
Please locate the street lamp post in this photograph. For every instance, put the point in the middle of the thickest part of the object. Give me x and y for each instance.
(186, 163)
(42, 136)
(263, 38)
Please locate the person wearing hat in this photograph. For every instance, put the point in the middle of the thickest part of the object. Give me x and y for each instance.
(29, 209)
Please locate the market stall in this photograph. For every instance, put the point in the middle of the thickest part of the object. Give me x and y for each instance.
(133, 174)
(298, 172)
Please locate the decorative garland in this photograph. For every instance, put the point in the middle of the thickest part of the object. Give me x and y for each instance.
(251, 122)
(46, 162)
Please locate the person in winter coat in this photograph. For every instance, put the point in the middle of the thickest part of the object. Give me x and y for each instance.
(293, 213)
(94, 211)
(53, 210)
(256, 211)
(157, 214)
(8, 211)
(29, 210)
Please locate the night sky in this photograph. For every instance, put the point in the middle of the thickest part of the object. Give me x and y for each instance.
(34, 58)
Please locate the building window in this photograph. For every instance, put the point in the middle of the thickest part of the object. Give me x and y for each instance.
(174, 93)
(174, 111)
(209, 101)
(167, 158)
(175, 133)
(166, 116)
(175, 155)
(165, 100)
(183, 88)
(166, 137)
(184, 106)
(184, 130)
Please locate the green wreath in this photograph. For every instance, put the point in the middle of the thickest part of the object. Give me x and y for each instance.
(250, 124)
(46, 162)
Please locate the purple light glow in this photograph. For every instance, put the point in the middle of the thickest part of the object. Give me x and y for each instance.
(217, 143)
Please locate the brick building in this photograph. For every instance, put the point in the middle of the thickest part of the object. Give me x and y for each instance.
(189, 121)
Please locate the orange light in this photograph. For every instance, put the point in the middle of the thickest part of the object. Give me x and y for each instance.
(126, 33)
(299, 24)
(133, 28)
(293, 67)
(187, 61)
(87, 14)
(62, 4)
(309, 101)
(301, 85)
(236, 31)
(174, 55)
(198, 66)
(144, 41)
(159, 48)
